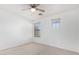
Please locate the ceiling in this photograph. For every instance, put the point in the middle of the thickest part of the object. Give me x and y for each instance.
(50, 9)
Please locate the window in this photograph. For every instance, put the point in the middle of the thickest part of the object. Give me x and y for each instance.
(56, 23)
(37, 29)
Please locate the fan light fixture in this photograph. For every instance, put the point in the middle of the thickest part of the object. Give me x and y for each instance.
(33, 9)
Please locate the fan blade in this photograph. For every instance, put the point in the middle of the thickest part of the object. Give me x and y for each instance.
(40, 10)
(34, 5)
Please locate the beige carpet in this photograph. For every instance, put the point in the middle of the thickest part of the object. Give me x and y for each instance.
(36, 49)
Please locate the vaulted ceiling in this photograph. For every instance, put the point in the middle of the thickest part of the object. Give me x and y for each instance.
(50, 9)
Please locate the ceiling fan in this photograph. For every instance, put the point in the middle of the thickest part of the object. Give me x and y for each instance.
(33, 8)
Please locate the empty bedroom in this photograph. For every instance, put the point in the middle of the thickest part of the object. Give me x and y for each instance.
(39, 29)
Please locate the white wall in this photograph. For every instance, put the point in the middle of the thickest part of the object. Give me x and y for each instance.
(66, 36)
(78, 33)
(14, 30)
